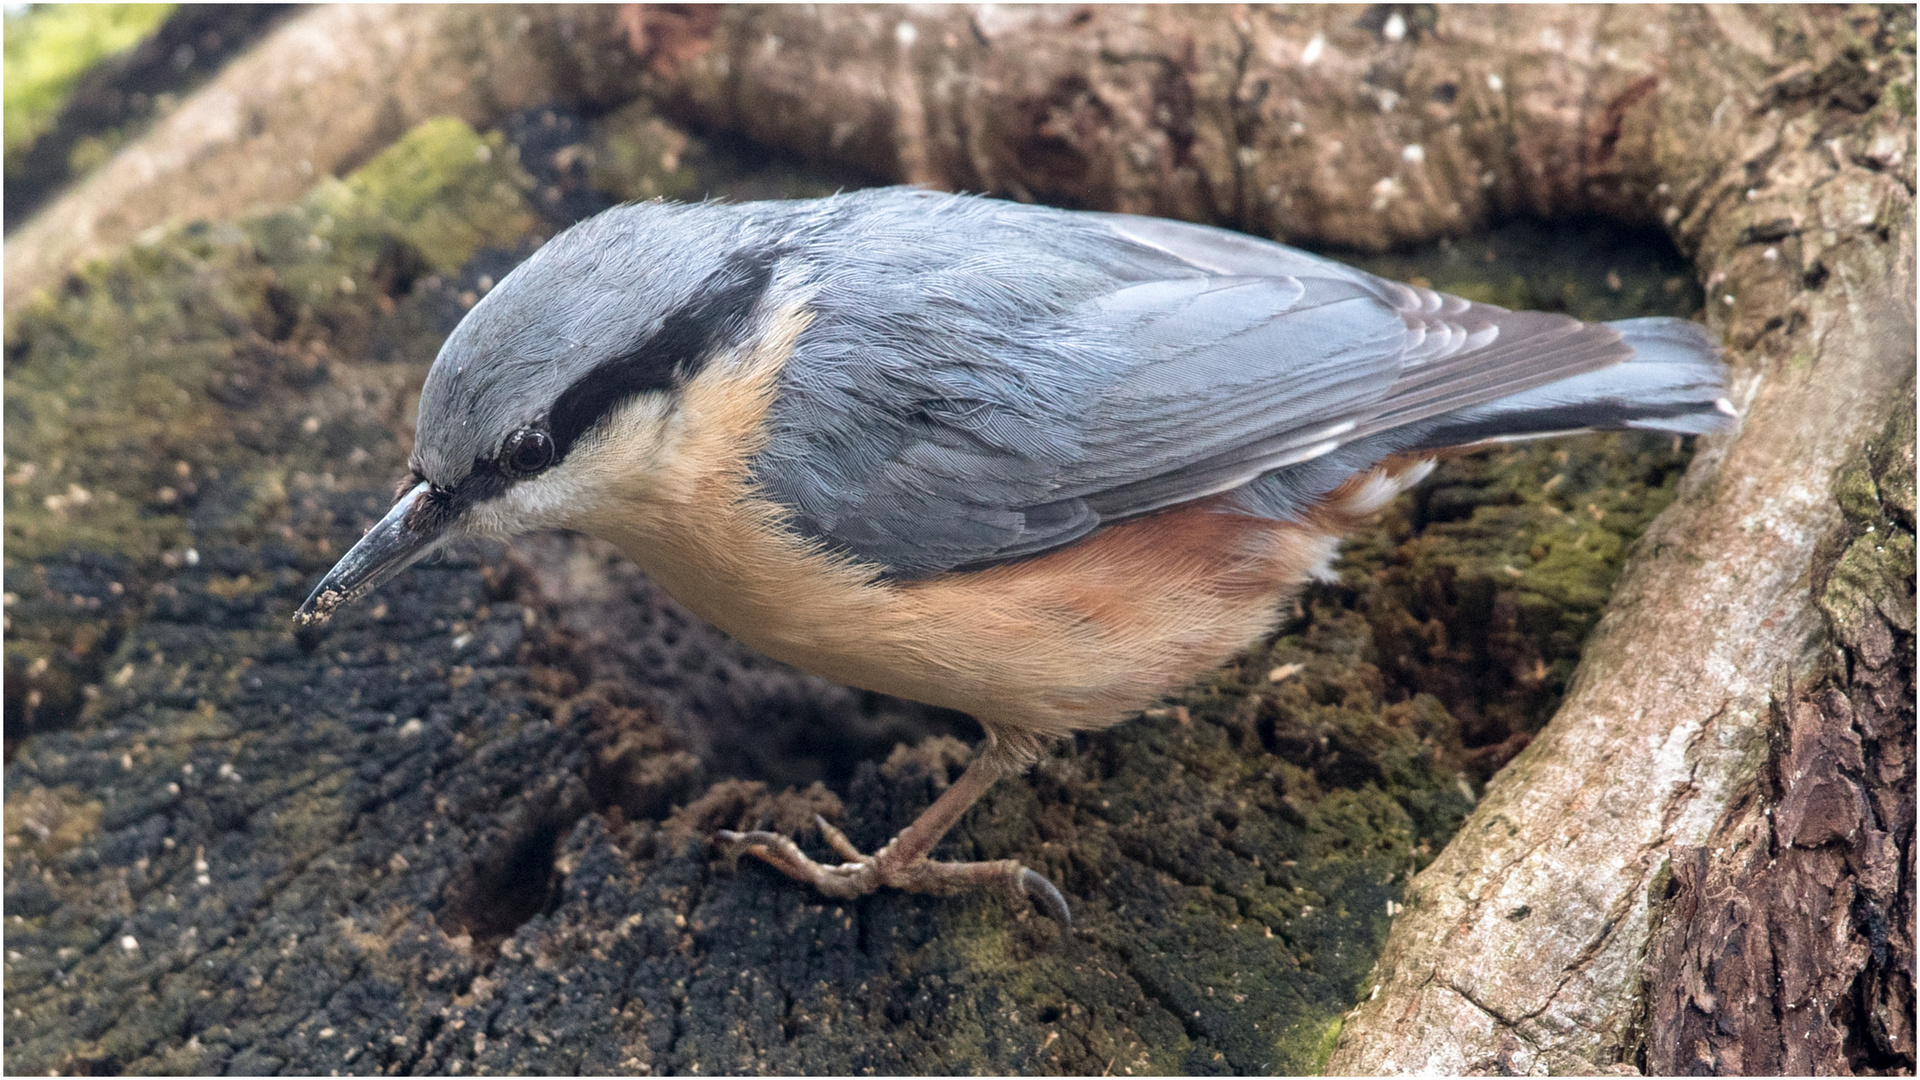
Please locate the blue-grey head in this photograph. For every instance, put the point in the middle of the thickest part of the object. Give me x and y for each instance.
(597, 332)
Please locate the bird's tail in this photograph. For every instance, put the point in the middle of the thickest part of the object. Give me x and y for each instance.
(1674, 381)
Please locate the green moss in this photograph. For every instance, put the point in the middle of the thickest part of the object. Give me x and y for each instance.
(1487, 604)
(105, 392)
(1891, 457)
(1658, 884)
(1900, 94)
(634, 155)
(1872, 577)
(137, 379)
(1855, 491)
(92, 151)
(1592, 271)
(444, 190)
(48, 822)
(1329, 1039)
(1239, 852)
(50, 46)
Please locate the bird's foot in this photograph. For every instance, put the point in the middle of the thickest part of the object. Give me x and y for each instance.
(861, 873)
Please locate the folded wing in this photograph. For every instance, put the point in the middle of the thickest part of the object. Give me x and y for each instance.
(944, 421)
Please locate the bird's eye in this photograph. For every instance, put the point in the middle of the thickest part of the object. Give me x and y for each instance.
(528, 452)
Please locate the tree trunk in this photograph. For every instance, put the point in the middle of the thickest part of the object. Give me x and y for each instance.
(1703, 863)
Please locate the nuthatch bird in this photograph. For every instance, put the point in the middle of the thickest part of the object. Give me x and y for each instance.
(1037, 465)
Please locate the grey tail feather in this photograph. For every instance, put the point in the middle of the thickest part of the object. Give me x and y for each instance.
(1673, 382)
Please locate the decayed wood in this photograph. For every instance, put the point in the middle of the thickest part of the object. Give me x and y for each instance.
(1555, 929)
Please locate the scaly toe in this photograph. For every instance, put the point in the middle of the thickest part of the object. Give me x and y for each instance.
(861, 874)
(853, 878)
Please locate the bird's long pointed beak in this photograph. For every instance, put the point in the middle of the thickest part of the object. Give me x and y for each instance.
(389, 547)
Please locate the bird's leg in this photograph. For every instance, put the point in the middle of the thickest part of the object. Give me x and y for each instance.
(903, 863)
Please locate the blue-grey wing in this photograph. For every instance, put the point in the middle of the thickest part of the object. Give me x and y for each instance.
(985, 381)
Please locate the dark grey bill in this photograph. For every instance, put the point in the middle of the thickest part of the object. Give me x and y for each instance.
(399, 540)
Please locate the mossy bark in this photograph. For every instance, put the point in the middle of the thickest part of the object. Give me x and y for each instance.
(316, 98)
(462, 830)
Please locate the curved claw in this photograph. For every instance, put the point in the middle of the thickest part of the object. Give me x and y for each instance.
(838, 841)
(728, 836)
(1048, 897)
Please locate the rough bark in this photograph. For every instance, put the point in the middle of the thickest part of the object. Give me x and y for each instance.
(1808, 245)
(1786, 941)
(1595, 883)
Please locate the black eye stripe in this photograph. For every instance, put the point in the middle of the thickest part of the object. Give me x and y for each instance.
(486, 480)
(715, 318)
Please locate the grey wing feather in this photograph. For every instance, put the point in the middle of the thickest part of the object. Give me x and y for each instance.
(1455, 354)
(1355, 356)
(970, 404)
(1208, 413)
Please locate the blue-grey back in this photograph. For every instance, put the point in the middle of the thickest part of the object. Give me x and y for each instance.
(985, 380)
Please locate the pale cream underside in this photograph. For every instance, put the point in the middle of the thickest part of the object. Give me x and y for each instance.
(1072, 639)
